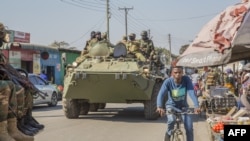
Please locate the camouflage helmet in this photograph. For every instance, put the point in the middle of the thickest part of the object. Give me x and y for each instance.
(92, 33)
(144, 33)
(124, 37)
(97, 33)
(104, 35)
(132, 35)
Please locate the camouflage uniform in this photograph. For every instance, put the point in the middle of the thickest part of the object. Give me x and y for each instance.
(133, 47)
(9, 103)
(8, 110)
(92, 36)
(124, 40)
(91, 43)
(146, 45)
(7, 98)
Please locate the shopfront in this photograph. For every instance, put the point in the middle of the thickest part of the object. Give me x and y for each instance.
(35, 58)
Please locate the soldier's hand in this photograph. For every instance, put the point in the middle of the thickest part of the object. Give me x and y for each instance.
(161, 111)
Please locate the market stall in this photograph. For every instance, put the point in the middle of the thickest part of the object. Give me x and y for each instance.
(224, 39)
(218, 100)
(220, 108)
(233, 117)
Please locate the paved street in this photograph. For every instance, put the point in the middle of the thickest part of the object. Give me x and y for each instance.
(118, 122)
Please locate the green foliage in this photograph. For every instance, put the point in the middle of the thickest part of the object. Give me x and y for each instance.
(183, 48)
(61, 44)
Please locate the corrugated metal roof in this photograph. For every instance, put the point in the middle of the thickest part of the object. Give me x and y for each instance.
(35, 47)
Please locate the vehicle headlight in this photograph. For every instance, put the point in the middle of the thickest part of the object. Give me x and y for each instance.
(145, 70)
(74, 64)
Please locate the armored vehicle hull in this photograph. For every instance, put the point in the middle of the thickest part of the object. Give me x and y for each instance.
(107, 79)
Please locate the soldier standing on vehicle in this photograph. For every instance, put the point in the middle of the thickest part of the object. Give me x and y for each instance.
(98, 37)
(8, 103)
(91, 43)
(174, 90)
(146, 45)
(133, 47)
(92, 36)
(124, 40)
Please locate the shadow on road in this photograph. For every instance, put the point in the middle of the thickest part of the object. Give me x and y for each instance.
(129, 114)
(45, 107)
(114, 114)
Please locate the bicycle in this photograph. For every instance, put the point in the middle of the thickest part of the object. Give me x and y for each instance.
(178, 134)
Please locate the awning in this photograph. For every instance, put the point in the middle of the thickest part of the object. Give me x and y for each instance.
(224, 39)
(42, 48)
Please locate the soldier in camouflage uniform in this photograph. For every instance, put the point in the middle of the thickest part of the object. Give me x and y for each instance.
(146, 45)
(124, 40)
(92, 36)
(91, 43)
(133, 47)
(8, 104)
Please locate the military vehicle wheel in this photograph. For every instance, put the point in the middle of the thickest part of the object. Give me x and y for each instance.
(102, 105)
(54, 100)
(84, 108)
(150, 105)
(71, 108)
(93, 107)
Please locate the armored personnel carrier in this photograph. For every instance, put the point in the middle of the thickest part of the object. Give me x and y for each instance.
(110, 75)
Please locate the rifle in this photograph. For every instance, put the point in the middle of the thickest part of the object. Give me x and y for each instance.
(10, 73)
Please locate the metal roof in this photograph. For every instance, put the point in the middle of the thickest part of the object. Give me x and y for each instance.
(34, 47)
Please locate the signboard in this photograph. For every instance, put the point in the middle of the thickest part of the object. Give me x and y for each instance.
(21, 37)
(36, 64)
(18, 36)
(27, 55)
(15, 58)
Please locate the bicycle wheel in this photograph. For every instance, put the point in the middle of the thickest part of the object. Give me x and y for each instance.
(177, 137)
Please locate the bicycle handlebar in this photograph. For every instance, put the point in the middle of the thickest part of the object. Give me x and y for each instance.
(179, 111)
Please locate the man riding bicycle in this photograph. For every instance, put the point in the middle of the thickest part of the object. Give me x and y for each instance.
(173, 93)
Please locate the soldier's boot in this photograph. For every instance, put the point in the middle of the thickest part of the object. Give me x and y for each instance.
(24, 129)
(33, 122)
(4, 135)
(15, 133)
(167, 137)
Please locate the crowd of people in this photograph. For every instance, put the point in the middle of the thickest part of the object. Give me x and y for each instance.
(174, 91)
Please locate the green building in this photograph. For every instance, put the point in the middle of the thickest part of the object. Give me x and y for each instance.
(68, 56)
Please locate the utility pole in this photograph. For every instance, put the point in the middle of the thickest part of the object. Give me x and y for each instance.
(108, 17)
(169, 42)
(126, 22)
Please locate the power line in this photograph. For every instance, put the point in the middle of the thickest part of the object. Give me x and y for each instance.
(77, 5)
(118, 15)
(178, 19)
(85, 3)
(95, 3)
(126, 22)
(101, 22)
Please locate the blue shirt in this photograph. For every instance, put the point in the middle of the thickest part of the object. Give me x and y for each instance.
(44, 76)
(176, 95)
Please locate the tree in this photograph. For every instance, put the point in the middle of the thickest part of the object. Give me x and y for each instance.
(183, 48)
(60, 44)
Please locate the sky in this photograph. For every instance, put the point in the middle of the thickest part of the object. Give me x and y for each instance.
(73, 20)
